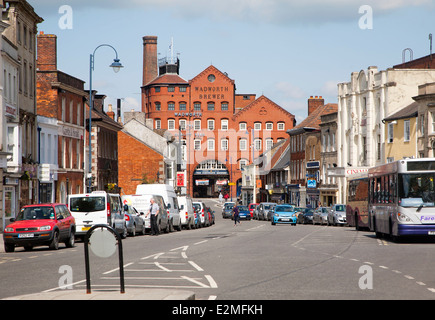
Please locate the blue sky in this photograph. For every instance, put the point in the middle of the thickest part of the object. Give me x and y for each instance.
(285, 49)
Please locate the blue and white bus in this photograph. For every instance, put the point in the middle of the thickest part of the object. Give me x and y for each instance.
(402, 198)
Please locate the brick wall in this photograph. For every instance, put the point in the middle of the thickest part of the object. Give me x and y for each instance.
(134, 161)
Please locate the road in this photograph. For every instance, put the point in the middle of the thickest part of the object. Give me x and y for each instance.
(250, 261)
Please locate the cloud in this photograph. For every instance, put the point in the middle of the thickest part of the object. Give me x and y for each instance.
(253, 11)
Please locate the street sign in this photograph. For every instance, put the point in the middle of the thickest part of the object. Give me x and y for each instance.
(231, 183)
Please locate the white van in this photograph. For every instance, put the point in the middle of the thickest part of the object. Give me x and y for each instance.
(186, 212)
(141, 202)
(170, 197)
(98, 207)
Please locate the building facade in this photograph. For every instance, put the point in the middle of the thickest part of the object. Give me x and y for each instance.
(363, 102)
(21, 171)
(216, 126)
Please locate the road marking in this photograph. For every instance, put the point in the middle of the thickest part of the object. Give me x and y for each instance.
(156, 255)
(203, 241)
(116, 269)
(409, 277)
(63, 287)
(213, 283)
(196, 282)
(198, 268)
(431, 289)
(383, 267)
(182, 247)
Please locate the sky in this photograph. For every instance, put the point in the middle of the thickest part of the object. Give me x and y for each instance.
(286, 50)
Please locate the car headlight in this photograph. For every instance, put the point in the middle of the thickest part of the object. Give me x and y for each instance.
(403, 217)
(44, 228)
(9, 229)
(276, 215)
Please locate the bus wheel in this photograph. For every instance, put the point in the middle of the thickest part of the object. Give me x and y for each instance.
(357, 228)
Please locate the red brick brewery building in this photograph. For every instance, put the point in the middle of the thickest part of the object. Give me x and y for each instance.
(221, 130)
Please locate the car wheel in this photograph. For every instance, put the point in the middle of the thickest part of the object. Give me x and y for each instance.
(124, 233)
(54, 245)
(9, 247)
(133, 233)
(143, 231)
(71, 240)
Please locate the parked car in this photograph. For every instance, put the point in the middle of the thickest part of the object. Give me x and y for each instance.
(251, 208)
(97, 207)
(243, 213)
(170, 197)
(141, 202)
(134, 220)
(227, 210)
(200, 209)
(337, 215)
(186, 212)
(39, 225)
(306, 216)
(320, 215)
(210, 215)
(284, 213)
(265, 210)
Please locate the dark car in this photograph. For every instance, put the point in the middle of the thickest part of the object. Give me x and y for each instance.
(39, 225)
(227, 210)
(306, 216)
(244, 213)
(134, 220)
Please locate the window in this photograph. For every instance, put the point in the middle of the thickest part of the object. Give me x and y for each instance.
(224, 124)
(158, 124)
(433, 121)
(210, 124)
(210, 144)
(422, 124)
(182, 106)
(197, 106)
(171, 89)
(242, 163)
(242, 126)
(281, 126)
(171, 124)
(197, 144)
(224, 106)
(390, 132)
(197, 124)
(157, 89)
(242, 144)
(257, 126)
(183, 89)
(407, 131)
(182, 124)
(269, 125)
(158, 106)
(257, 144)
(171, 106)
(210, 106)
(269, 144)
(224, 144)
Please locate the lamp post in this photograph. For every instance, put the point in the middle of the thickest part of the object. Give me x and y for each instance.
(254, 189)
(116, 65)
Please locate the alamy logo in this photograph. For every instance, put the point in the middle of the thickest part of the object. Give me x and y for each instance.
(66, 20)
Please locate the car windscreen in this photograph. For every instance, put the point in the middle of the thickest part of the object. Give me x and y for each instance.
(87, 204)
(340, 207)
(35, 213)
(243, 208)
(268, 206)
(284, 209)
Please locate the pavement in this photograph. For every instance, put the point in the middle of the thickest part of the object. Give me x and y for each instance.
(130, 293)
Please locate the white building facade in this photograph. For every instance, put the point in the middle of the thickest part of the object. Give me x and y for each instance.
(363, 102)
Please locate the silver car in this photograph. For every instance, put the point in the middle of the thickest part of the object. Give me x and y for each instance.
(265, 210)
(320, 215)
(134, 221)
(337, 215)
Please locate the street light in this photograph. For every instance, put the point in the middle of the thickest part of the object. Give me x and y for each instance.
(116, 65)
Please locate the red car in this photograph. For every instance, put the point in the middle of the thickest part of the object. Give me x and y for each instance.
(39, 225)
(251, 208)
